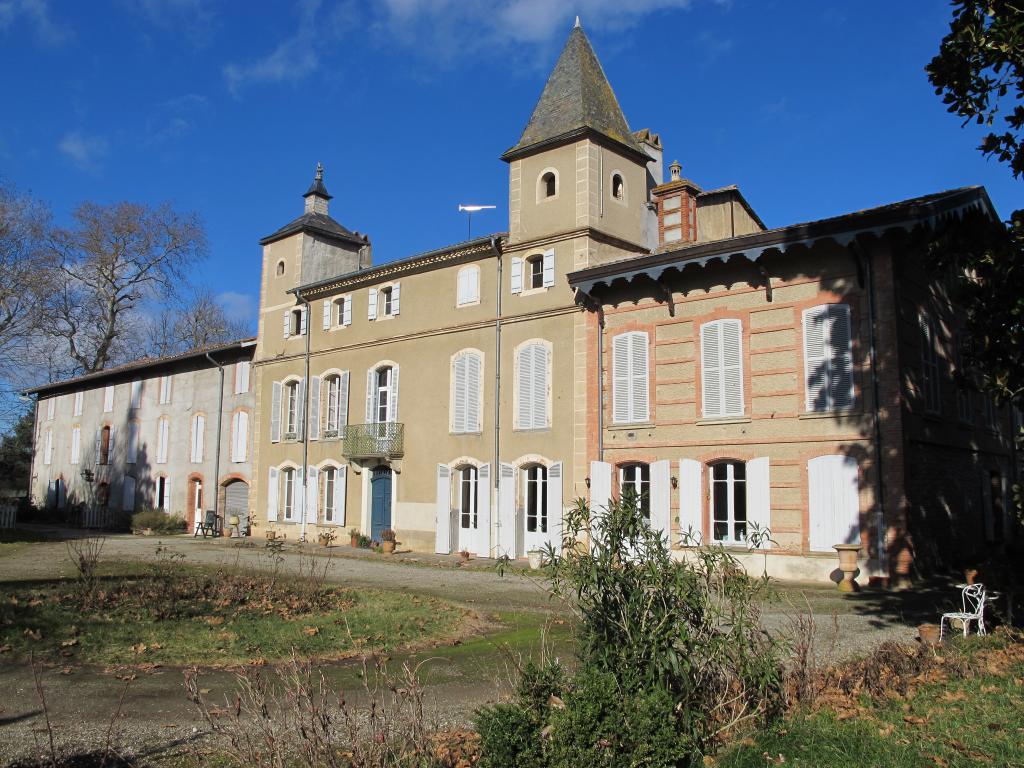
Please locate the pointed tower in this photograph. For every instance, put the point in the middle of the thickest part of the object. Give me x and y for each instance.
(577, 168)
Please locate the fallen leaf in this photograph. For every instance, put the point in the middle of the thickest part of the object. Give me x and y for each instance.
(887, 731)
(69, 643)
(915, 720)
(311, 631)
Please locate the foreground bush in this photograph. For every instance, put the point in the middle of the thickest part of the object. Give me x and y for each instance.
(158, 522)
(672, 654)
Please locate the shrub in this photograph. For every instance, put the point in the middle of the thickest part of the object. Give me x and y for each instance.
(158, 522)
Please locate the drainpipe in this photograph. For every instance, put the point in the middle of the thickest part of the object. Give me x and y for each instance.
(496, 471)
(305, 416)
(600, 384)
(220, 427)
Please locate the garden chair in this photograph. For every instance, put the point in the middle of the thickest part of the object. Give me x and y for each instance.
(972, 600)
(208, 524)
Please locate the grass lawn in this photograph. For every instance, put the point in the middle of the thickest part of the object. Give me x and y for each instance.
(971, 717)
(13, 540)
(134, 614)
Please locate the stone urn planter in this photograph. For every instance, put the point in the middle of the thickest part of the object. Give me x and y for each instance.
(848, 565)
(535, 558)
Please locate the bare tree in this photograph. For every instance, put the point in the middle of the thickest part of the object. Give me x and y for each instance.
(202, 322)
(112, 262)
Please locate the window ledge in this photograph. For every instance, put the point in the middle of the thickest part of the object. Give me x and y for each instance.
(633, 425)
(468, 304)
(477, 433)
(534, 291)
(531, 429)
(845, 413)
(724, 420)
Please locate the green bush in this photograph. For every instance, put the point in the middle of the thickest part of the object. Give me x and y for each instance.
(158, 522)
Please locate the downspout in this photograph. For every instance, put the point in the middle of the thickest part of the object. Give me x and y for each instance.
(600, 384)
(220, 427)
(496, 473)
(869, 275)
(305, 417)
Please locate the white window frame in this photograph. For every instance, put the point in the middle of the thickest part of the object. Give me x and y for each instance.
(77, 408)
(536, 476)
(467, 476)
(164, 393)
(288, 493)
(108, 398)
(631, 378)
(290, 405)
(636, 475)
(341, 311)
(721, 370)
(467, 286)
(732, 493)
(466, 401)
(530, 415)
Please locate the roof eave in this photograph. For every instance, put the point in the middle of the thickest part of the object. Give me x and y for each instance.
(569, 137)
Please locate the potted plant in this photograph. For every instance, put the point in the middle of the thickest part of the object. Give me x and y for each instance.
(353, 537)
(387, 541)
(326, 537)
(464, 554)
(535, 558)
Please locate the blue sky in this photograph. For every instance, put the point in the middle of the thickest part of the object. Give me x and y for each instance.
(813, 108)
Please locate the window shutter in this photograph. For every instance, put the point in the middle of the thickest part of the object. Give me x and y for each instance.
(393, 405)
(371, 397)
(48, 457)
(300, 408)
(275, 412)
(314, 408)
(50, 407)
(199, 438)
(327, 314)
(517, 274)
(691, 501)
(600, 485)
(96, 447)
(443, 508)
(287, 323)
(132, 451)
(722, 368)
(108, 399)
(483, 511)
(396, 295)
(372, 307)
(76, 445)
(340, 484)
(313, 494)
(816, 363)
(242, 437)
(840, 346)
(555, 505)
(661, 498)
(507, 511)
(540, 386)
(524, 387)
(167, 494)
(78, 404)
(343, 400)
(298, 498)
(459, 394)
(474, 284)
(272, 491)
(732, 367)
(711, 370)
(303, 319)
(347, 311)
(473, 393)
(834, 502)
(462, 288)
(235, 424)
(163, 430)
(128, 494)
(620, 379)
(759, 496)
(549, 267)
(639, 399)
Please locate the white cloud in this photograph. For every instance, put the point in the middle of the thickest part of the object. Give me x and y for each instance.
(239, 307)
(36, 14)
(195, 20)
(83, 150)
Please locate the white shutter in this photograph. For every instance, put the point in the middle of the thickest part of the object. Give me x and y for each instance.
(459, 394)
(372, 305)
(49, 408)
(600, 485)
(132, 450)
(199, 438)
(549, 268)
(474, 284)
(303, 319)
(347, 312)
(460, 288)
(661, 498)
(78, 404)
(630, 400)
(639, 399)
(620, 379)
(275, 412)
(128, 494)
(97, 446)
(816, 363)
(396, 295)
(327, 314)
(711, 369)
(235, 419)
(167, 494)
(834, 502)
(136, 396)
(840, 345)
(242, 437)
(76, 445)
(722, 368)
(691, 500)
(443, 523)
(163, 432)
(371, 397)
(340, 485)
(473, 382)
(555, 505)
(314, 408)
(343, 401)
(393, 405)
(507, 511)
(110, 446)
(108, 399)
(541, 370)
(517, 274)
(272, 492)
(524, 387)
(242, 377)
(298, 498)
(483, 511)
(287, 323)
(300, 408)
(732, 367)
(48, 458)
(313, 494)
(759, 497)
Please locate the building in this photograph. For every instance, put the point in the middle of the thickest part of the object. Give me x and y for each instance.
(172, 433)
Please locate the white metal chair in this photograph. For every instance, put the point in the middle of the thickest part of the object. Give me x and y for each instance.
(972, 599)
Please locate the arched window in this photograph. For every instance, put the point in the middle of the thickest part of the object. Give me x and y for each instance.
(548, 186)
(729, 501)
(535, 498)
(280, 268)
(382, 395)
(618, 187)
(330, 479)
(466, 501)
(468, 286)
(292, 409)
(466, 377)
(533, 371)
(635, 484)
(288, 493)
(335, 403)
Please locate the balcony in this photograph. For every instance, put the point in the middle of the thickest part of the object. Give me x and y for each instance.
(367, 441)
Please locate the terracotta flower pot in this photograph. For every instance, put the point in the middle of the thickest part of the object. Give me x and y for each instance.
(388, 547)
(353, 542)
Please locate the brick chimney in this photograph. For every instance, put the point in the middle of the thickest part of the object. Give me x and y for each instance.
(677, 208)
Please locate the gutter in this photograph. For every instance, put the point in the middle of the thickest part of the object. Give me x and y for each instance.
(496, 473)
(220, 428)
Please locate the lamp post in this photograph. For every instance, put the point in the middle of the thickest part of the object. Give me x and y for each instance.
(470, 210)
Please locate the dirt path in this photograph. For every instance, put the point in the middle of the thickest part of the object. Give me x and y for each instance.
(156, 715)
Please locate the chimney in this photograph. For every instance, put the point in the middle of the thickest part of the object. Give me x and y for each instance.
(677, 208)
(316, 196)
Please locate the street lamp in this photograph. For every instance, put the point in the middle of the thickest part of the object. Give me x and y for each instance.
(470, 210)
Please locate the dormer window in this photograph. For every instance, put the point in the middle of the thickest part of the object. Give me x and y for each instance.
(280, 268)
(547, 185)
(618, 187)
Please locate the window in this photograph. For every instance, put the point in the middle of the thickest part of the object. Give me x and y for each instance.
(105, 446)
(163, 494)
(165, 390)
(547, 186)
(338, 312)
(241, 377)
(828, 358)
(128, 494)
(50, 407)
(196, 497)
(930, 391)
(729, 501)
(721, 349)
(618, 187)
(295, 322)
(467, 478)
(635, 483)
(539, 268)
(78, 404)
(136, 398)
(280, 268)
(535, 498)
(198, 438)
(108, 399)
(163, 428)
(535, 271)
(468, 286)
(239, 436)
(384, 302)
(383, 383)
(336, 404)
(48, 452)
(292, 409)
(533, 364)
(288, 497)
(630, 378)
(132, 451)
(76, 445)
(330, 478)
(466, 379)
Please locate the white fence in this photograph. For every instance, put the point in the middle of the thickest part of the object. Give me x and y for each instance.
(8, 515)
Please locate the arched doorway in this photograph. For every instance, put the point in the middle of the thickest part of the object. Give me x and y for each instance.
(236, 502)
(465, 509)
(380, 501)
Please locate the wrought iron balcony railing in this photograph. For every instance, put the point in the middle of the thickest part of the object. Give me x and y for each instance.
(383, 440)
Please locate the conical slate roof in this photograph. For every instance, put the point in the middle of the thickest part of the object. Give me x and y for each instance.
(576, 98)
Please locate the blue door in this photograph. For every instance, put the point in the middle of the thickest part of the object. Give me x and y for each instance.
(380, 501)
